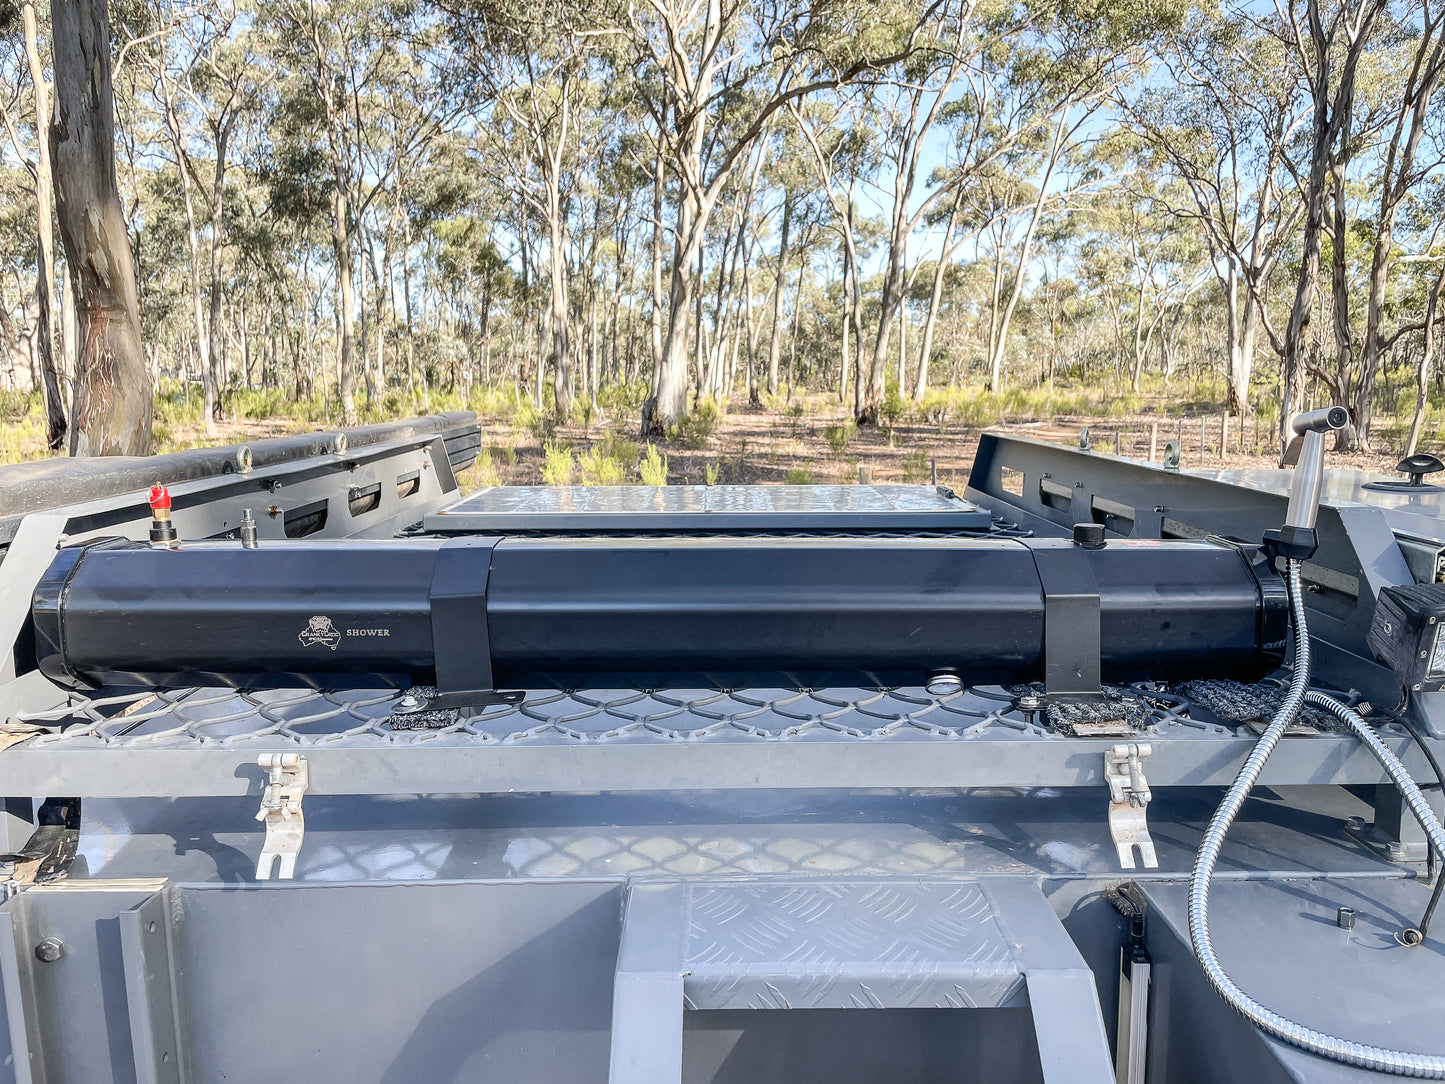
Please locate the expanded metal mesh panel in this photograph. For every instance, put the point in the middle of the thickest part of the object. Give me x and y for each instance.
(169, 718)
(727, 507)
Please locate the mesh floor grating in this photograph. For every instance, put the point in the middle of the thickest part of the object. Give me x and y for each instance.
(224, 716)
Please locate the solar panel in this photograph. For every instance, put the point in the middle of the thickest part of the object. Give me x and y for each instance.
(708, 508)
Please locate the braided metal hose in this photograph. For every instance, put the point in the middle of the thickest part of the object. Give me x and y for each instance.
(1380, 1059)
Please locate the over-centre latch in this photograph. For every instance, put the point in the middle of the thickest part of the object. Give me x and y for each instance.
(1128, 800)
(287, 778)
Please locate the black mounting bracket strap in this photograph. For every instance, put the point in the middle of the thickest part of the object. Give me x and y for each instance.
(1071, 619)
(460, 643)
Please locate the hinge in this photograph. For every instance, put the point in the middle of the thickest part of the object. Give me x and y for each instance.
(1129, 798)
(286, 780)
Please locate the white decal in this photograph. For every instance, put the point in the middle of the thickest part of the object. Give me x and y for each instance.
(320, 630)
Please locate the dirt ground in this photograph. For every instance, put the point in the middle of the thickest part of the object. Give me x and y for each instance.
(765, 446)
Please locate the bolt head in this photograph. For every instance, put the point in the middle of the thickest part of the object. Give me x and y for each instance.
(50, 950)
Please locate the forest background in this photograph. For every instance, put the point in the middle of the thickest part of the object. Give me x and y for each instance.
(703, 239)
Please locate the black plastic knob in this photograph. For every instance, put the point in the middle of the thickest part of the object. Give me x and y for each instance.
(1089, 535)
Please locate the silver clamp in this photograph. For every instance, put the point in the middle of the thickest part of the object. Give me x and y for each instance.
(287, 778)
(1129, 798)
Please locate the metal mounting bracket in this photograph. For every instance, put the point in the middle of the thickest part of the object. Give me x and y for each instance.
(287, 778)
(1129, 798)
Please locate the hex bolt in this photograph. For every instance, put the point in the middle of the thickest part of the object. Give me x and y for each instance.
(50, 950)
(1345, 918)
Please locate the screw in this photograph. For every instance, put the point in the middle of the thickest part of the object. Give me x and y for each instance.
(1355, 824)
(408, 701)
(50, 950)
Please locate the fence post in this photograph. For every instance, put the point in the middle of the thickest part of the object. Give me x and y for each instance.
(1153, 442)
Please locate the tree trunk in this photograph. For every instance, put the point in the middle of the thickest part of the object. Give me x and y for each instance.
(659, 180)
(45, 243)
(217, 350)
(920, 388)
(1422, 367)
(995, 375)
(209, 384)
(346, 288)
(1001, 343)
(775, 343)
(671, 383)
(111, 414)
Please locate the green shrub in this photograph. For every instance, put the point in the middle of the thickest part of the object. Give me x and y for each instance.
(608, 462)
(493, 402)
(542, 424)
(839, 435)
(484, 471)
(694, 430)
(558, 465)
(711, 471)
(799, 476)
(623, 398)
(892, 409)
(916, 467)
(653, 468)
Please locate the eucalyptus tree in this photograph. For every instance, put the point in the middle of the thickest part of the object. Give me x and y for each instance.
(1223, 123)
(335, 61)
(43, 187)
(844, 152)
(711, 75)
(530, 64)
(1414, 149)
(1326, 41)
(912, 104)
(1143, 263)
(112, 408)
(211, 70)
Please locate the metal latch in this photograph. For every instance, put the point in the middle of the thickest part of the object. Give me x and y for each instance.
(1128, 798)
(286, 780)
